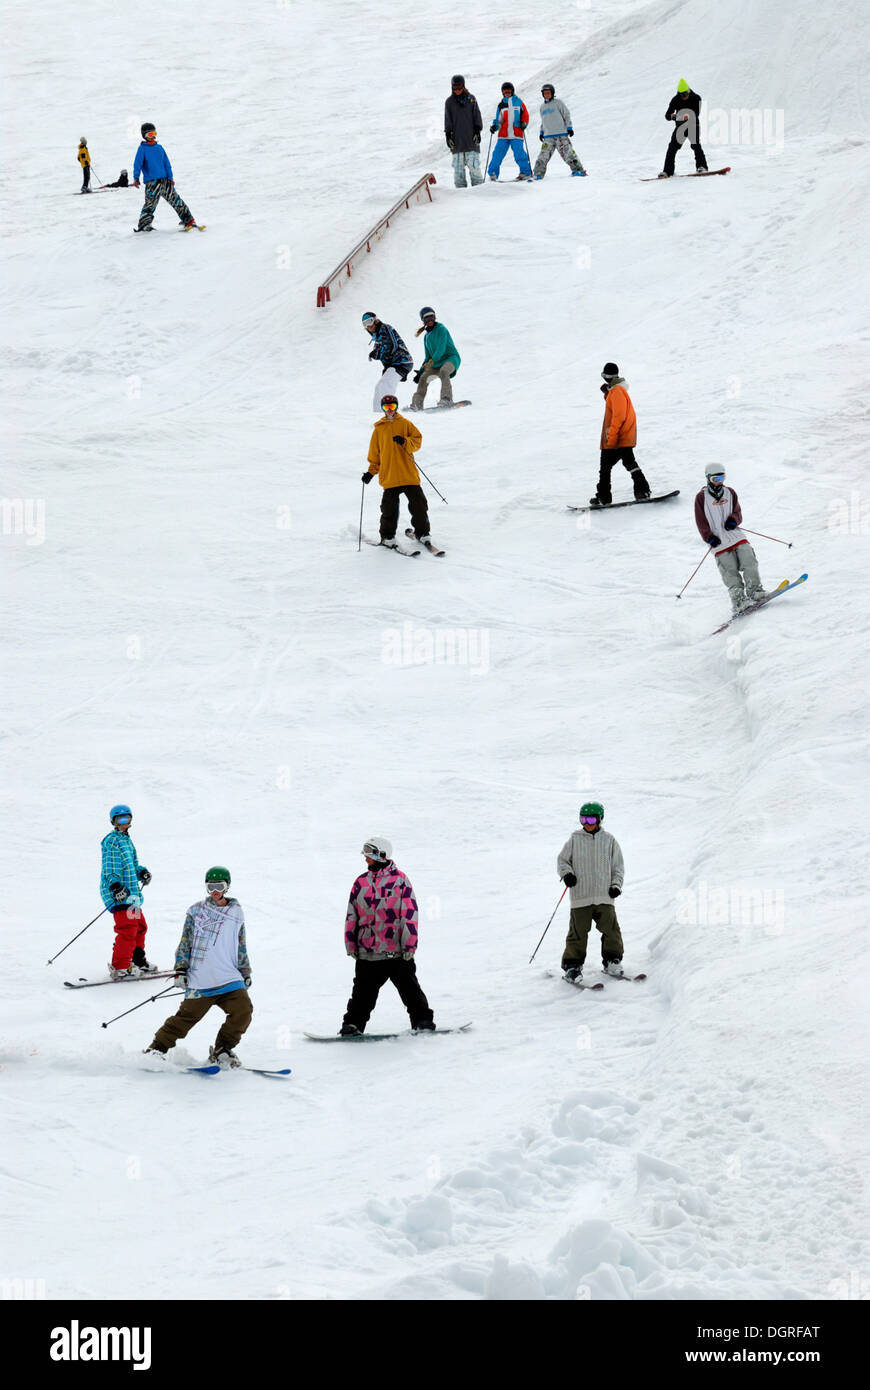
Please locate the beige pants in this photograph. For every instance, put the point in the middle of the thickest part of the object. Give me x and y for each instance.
(604, 917)
(236, 1005)
(443, 375)
(737, 566)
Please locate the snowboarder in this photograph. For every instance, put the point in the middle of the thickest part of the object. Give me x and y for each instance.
(590, 864)
(684, 109)
(556, 128)
(380, 933)
(441, 360)
(618, 438)
(391, 352)
(121, 882)
(462, 126)
(212, 967)
(718, 517)
(84, 158)
(152, 162)
(394, 440)
(509, 122)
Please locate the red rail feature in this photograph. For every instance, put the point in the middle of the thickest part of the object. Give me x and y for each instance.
(418, 194)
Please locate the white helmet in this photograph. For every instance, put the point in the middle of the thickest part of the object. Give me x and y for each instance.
(713, 468)
(377, 848)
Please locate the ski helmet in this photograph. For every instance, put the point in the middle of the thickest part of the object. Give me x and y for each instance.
(389, 400)
(83, 140)
(148, 129)
(609, 371)
(119, 811)
(427, 313)
(592, 808)
(548, 87)
(508, 86)
(714, 470)
(368, 318)
(378, 849)
(457, 80)
(218, 874)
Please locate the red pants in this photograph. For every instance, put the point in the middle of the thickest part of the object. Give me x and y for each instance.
(130, 929)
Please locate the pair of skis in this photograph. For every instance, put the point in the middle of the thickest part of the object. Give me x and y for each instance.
(783, 588)
(212, 1069)
(403, 550)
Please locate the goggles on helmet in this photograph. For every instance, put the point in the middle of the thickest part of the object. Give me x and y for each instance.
(589, 820)
(217, 885)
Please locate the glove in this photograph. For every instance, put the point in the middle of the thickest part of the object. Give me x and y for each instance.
(450, 145)
(523, 125)
(373, 354)
(418, 374)
(403, 374)
(570, 130)
(614, 892)
(714, 541)
(247, 982)
(144, 877)
(407, 955)
(493, 128)
(604, 389)
(181, 978)
(570, 881)
(541, 137)
(730, 524)
(476, 142)
(118, 892)
(399, 439)
(367, 477)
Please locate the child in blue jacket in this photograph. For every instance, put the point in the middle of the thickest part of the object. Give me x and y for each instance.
(152, 162)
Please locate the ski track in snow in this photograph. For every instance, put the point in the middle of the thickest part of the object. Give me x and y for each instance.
(198, 635)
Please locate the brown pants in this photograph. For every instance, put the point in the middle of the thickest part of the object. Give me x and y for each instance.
(236, 1005)
(604, 917)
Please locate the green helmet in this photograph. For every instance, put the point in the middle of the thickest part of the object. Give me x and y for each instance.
(218, 875)
(592, 808)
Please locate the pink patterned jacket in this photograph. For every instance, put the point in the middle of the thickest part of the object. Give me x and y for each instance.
(381, 915)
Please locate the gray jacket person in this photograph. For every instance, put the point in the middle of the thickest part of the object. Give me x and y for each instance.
(555, 132)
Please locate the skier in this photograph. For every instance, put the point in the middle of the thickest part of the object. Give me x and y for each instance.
(391, 352)
(684, 109)
(618, 438)
(590, 864)
(212, 967)
(462, 126)
(510, 121)
(718, 517)
(380, 933)
(555, 129)
(122, 182)
(84, 158)
(394, 440)
(121, 882)
(441, 360)
(152, 162)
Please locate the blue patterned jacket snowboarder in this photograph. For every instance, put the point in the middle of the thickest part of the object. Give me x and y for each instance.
(389, 349)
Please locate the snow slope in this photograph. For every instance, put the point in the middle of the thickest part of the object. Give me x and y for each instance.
(197, 634)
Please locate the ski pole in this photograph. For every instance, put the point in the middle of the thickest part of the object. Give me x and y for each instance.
(526, 144)
(767, 538)
(169, 989)
(77, 935)
(361, 501)
(694, 572)
(430, 482)
(547, 927)
(488, 148)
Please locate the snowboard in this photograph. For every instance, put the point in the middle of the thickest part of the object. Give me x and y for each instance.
(633, 502)
(698, 174)
(441, 409)
(381, 1037)
(783, 588)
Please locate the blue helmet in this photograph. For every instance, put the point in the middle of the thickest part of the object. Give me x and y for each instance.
(119, 811)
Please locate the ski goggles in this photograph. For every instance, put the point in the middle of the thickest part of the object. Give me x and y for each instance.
(389, 406)
(217, 886)
(716, 478)
(122, 820)
(589, 820)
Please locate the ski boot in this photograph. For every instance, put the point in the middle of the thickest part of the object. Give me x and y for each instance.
(573, 974)
(142, 965)
(426, 1026)
(597, 501)
(663, 175)
(349, 1030)
(224, 1057)
(614, 968)
(130, 972)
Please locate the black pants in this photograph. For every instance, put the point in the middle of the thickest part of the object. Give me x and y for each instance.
(609, 459)
(368, 979)
(417, 506)
(86, 177)
(676, 144)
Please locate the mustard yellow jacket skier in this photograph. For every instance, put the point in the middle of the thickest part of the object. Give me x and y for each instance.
(84, 155)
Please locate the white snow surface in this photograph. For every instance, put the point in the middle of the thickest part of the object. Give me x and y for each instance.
(197, 634)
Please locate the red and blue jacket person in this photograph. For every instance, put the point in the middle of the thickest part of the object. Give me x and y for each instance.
(509, 125)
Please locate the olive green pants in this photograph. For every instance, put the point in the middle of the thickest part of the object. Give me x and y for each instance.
(236, 1005)
(604, 917)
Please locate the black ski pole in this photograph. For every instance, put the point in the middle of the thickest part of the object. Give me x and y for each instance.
(488, 148)
(361, 501)
(170, 989)
(430, 482)
(76, 937)
(547, 927)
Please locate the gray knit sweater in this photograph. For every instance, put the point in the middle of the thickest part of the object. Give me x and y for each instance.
(596, 862)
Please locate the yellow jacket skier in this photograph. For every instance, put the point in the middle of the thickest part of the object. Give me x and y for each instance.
(85, 161)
